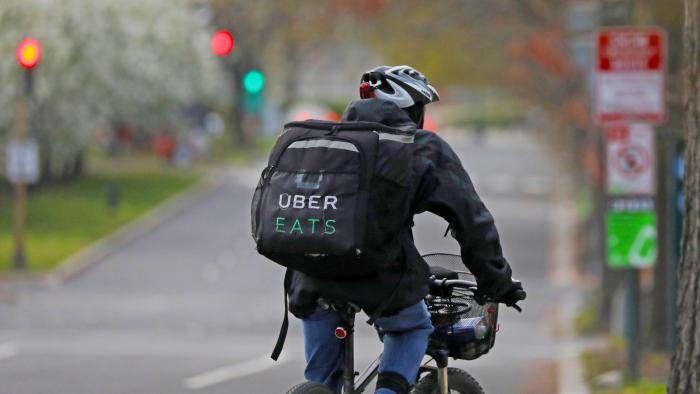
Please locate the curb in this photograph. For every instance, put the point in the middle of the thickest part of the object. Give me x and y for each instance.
(563, 274)
(97, 251)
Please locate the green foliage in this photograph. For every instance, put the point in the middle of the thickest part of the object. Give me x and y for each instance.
(63, 219)
(641, 387)
(611, 358)
(453, 42)
(587, 318)
(599, 362)
(224, 151)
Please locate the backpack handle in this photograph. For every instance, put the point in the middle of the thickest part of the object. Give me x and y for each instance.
(334, 130)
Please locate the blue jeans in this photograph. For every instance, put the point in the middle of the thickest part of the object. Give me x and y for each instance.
(405, 341)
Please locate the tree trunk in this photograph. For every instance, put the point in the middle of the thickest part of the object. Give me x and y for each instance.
(685, 367)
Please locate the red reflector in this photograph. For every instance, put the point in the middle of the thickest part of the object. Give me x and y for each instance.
(366, 91)
(340, 333)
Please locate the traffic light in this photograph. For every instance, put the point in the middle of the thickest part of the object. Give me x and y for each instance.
(253, 85)
(222, 43)
(253, 81)
(28, 53)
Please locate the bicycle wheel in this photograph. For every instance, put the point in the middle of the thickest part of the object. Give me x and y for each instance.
(459, 381)
(310, 388)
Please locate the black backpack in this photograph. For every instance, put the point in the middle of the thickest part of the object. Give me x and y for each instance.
(334, 198)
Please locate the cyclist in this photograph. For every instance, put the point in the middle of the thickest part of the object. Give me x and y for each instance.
(396, 97)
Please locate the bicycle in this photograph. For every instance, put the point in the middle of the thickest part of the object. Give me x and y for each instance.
(464, 329)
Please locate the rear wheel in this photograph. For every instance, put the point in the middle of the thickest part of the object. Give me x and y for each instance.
(459, 381)
(310, 388)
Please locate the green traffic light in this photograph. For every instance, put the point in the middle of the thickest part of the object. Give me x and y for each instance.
(253, 81)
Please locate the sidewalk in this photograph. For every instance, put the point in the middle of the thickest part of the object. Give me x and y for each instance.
(563, 275)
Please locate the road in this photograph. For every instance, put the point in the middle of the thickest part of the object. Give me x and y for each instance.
(191, 308)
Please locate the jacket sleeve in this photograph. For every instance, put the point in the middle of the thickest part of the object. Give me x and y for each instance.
(446, 190)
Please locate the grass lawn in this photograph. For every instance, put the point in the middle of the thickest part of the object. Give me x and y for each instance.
(63, 219)
(654, 370)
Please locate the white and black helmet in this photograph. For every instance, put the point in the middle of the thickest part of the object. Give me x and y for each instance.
(404, 85)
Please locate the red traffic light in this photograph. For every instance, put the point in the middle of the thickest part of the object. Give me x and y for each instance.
(28, 53)
(222, 43)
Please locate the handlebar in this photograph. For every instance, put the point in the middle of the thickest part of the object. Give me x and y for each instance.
(519, 295)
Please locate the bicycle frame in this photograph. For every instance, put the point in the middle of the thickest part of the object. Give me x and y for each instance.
(363, 379)
(357, 383)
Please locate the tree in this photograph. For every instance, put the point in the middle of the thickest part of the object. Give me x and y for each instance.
(273, 36)
(103, 63)
(685, 367)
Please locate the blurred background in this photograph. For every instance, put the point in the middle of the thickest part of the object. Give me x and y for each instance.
(133, 133)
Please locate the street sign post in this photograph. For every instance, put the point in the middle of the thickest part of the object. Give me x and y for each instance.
(630, 75)
(629, 96)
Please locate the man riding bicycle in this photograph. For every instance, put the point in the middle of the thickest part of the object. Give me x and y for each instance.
(396, 97)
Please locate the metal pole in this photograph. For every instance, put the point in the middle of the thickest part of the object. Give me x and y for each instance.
(349, 356)
(22, 132)
(19, 258)
(677, 215)
(632, 318)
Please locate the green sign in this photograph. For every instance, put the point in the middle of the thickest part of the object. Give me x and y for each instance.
(631, 239)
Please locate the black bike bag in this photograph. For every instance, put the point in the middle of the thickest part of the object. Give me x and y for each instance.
(332, 199)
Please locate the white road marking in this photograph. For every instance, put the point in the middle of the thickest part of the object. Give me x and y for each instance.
(233, 371)
(8, 350)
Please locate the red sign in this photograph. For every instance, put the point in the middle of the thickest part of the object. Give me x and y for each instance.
(630, 49)
(630, 75)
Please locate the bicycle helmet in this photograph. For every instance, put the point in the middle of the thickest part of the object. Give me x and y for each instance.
(404, 85)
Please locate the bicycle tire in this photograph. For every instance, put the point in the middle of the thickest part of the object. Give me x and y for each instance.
(459, 382)
(310, 388)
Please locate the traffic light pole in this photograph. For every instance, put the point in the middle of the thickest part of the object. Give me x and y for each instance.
(19, 258)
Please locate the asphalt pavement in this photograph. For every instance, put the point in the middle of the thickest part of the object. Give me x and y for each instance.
(190, 307)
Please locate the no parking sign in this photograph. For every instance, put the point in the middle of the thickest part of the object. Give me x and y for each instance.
(630, 159)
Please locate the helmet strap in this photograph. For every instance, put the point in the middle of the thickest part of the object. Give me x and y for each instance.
(417, 114)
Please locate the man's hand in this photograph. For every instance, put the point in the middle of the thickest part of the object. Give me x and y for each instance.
(510, 297)
(514, 295)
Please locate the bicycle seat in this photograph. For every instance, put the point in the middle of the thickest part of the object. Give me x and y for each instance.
(341, 306)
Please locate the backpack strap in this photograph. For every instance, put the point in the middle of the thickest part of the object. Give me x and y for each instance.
(285, 321)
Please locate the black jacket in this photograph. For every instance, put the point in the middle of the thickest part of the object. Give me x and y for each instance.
(440, 185)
